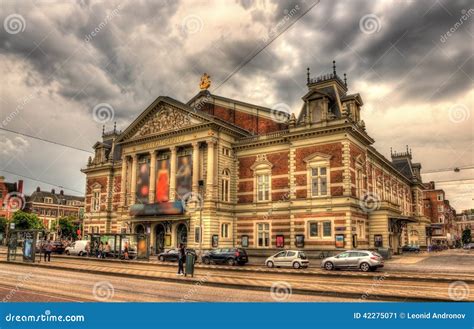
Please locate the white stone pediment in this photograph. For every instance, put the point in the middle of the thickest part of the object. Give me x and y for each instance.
(165, 118)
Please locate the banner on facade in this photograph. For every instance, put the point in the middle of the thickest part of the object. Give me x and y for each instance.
(143, 180)
(184, 175)
(162, 180)
(155, 209)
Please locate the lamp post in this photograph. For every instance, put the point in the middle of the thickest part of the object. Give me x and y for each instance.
(201, 186)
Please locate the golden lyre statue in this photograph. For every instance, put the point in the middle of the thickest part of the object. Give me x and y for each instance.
(205, 82)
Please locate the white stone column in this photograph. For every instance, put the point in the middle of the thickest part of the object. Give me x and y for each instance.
(123, 181)
(151, 192)
(210, 168)
(195, 167)
(133, 187)
(173, 173)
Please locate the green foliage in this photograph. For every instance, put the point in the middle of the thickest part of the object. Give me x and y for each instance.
(26, 221)
(466, 236)
(3, 224)
(67, 227)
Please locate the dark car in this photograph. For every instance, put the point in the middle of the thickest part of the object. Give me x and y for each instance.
(408, 248)
(172, 255)
(57, 246)
(230, 256)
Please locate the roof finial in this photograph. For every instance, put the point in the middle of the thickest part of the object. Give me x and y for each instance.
(334, 67)
(345, 80)
(391, 152)
(115, 126)
(407, 149)
(103, 129)
(307, 74)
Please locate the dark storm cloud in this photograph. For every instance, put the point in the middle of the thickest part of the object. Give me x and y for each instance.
(127, 53)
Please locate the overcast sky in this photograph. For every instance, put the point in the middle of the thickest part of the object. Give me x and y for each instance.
(411, 61)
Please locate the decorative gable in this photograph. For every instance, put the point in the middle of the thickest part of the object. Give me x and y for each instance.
(317, 158)
(164, 119)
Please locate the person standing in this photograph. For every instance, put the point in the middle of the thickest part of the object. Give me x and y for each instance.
(47, 250)
(181, 259)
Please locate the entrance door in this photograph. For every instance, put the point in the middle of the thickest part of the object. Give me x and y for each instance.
(159, 238)
(182, 234)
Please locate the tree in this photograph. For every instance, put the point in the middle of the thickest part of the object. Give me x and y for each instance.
(67, 227)
(466, 236)
(26, 221)
(3, 224)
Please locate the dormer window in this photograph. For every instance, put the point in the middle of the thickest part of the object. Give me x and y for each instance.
(48, 200)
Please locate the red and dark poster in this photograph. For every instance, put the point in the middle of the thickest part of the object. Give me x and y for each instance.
(162, 180)
(143, 180)
(184, 175)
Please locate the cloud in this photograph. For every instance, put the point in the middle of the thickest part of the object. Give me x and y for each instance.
(75, 55)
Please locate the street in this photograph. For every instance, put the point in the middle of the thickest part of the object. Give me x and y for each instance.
(80, 279)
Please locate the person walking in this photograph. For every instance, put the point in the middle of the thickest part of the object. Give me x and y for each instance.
(181, 259)
(106, 250)
(101, 250)
(47, 250)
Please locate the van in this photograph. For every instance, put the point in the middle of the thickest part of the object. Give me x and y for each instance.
(77, 248)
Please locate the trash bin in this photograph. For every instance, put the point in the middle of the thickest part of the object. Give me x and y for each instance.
(190, 258)
(386, 253)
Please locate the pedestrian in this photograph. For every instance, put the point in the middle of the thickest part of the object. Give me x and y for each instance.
(47, 250)
(181, 259)
(106, 250)
(88, 248)
(101, 250)
(125, 251)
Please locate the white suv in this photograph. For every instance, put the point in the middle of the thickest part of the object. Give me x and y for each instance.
(288, 258)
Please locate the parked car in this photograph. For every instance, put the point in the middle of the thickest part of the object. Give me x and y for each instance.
(172, 255)
(230, 256)
(77, 248)
(468, 246)
(58, 247)
(362, 259)
(408, 248)
(288, 258)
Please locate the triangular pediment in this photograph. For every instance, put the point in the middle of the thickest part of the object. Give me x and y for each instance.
(166, 118)
(164, 115)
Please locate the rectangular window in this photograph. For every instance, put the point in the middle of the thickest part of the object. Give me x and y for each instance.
(96, 201)
(225, 230)
(327, 229)
(440, 208)
(263, 188)
(313, 229)
(263, 234)
(319, 181)
(440, 197)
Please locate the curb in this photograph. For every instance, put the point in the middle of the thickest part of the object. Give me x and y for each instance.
(192, 281)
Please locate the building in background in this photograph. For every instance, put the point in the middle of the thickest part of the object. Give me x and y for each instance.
(11, 199)
(465, 220)
(441, 215)
(219, 172)
(50, 206)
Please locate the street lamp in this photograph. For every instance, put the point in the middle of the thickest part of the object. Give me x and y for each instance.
(201, 187)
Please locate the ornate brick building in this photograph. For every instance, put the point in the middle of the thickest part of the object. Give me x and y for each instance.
(265, 179)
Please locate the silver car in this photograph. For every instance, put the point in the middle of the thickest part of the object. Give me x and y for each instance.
(288, 258)
(364, 260)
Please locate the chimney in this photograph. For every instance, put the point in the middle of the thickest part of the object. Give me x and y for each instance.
(61, 192)
(52, 191)
(20, 185)
(38, 189)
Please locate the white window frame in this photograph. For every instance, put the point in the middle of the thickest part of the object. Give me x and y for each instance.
(360, 229)
(48, 200)
(320, 222)
(262, 168)
(225, 185)
(440, 197)
(317, 161)
(95, 200)
(226, 233)
(265, 230)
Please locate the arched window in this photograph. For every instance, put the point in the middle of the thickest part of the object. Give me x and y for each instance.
(225, 185)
